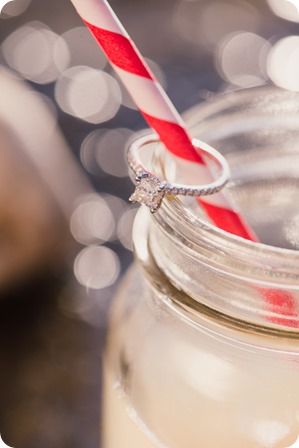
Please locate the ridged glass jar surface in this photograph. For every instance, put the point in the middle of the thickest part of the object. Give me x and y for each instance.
(203, 341)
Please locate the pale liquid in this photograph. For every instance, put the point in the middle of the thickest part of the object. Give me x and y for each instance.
(247, 404)
(119, 429)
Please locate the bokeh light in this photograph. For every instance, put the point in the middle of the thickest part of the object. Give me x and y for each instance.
(110, 152)
(284, 9)
(88, 152)
(89, 94)
(241, 57)
(117, 207)
(97, 267)
(124, 227)
(36, 53)
(92, 220)
(283, 63)
(14, 8)
(105, 149)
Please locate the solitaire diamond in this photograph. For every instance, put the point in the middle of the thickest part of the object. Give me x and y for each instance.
(149, 191)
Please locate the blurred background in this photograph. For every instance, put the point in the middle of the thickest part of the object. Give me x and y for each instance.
(65, 222)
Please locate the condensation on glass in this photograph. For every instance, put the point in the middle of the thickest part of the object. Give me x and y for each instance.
(203, 342)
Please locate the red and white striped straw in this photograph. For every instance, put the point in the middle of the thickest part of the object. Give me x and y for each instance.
(156, 108)
(161, 115)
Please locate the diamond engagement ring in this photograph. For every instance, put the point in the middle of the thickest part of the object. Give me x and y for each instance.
(150, 189)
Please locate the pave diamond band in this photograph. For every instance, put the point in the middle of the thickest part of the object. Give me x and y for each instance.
(150, 189)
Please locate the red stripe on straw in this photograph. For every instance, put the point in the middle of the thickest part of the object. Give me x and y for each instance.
(228, 220)
(120, 51)
(174, 137)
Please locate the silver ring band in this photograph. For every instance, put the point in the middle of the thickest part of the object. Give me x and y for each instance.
(150, 189)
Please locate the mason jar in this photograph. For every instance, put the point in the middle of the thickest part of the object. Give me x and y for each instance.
(203, 341)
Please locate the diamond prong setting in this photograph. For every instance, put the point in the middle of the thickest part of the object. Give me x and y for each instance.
(148, 191)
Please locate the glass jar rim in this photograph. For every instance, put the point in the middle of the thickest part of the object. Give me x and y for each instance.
(175, 206)
(219, 101)
(233, 273)
(285, 261)
(227, 243)
(185, 302)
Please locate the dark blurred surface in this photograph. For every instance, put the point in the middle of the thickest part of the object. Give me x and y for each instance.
(64, 218)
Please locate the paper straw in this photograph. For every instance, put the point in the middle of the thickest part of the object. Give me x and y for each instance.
(157, 109)
(161, 115)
